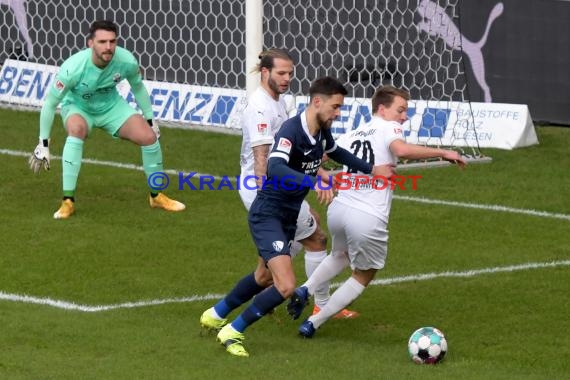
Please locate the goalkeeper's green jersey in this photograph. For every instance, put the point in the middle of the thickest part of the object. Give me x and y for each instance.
(91, 88)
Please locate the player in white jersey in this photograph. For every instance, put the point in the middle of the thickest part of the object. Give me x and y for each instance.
(358, 217)
(261, 120)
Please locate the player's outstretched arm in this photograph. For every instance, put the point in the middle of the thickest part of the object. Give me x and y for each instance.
(454, 157)
(417, 152)
(140, 93)
(143, 100)
(345, 157)
(40, 157)
(277, 168)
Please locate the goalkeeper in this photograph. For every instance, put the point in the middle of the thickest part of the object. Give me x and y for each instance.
(86, 88)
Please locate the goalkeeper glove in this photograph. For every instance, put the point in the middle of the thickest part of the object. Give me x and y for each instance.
(40, 157)
(154, 128)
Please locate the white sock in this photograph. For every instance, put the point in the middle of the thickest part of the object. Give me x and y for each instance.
(341, 298)
(312, 261)
(318, 282)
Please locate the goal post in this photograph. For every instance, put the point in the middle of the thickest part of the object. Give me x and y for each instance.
(253, 41)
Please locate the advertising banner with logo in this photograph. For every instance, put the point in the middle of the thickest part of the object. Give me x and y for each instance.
(517, 52)
(492, 125)
(504, 126)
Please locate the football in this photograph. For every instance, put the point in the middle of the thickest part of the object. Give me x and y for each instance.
(427, 345)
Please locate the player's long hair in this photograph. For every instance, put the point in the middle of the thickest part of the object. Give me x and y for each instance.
(267, 58)
(385, 96)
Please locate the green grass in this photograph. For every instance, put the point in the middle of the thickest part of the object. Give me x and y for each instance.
(503, 325)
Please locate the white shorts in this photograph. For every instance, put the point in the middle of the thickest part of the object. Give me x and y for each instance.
(362, 235)
(306, 223)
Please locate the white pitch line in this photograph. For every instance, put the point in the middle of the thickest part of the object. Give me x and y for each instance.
(120, 165)
(469, 273)
(195, 298)
(496, 208)
(58, 304)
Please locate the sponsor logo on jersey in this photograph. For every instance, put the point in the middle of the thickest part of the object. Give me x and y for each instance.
(284, 145)
(59, 86)
(262, 129)
(278, 245)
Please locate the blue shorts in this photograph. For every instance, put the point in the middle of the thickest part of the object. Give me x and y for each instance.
(272, 227)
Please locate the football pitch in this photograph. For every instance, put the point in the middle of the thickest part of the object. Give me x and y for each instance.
(116, 291)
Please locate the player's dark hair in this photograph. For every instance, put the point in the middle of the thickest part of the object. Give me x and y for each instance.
(103, 25)
(385, 96)
(326, 86)
(267, 58)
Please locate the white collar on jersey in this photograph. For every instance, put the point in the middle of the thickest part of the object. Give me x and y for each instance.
(306, 128)
(268, 95)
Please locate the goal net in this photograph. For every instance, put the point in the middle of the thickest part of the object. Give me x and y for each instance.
(414, 44)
